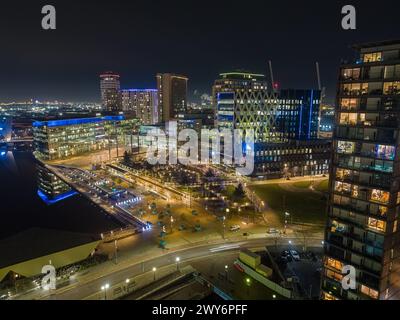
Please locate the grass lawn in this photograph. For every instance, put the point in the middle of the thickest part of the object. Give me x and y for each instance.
(302, 184)
(323, 186)
(304, 206)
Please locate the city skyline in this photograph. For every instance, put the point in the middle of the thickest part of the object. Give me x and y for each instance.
(200, 151)
(202, 40)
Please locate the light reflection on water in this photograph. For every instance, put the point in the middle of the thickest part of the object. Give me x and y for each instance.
(21, 207)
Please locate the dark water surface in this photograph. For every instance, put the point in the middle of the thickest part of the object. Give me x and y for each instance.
(21, 208)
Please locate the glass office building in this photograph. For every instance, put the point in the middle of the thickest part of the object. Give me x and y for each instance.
(51, 189)
(364, 204)
(297, 117)
(61, 139)
(285, 125)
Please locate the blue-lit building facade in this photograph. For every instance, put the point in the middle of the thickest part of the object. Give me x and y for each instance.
(5, 129)
(60, 139)
(51, 189)
(286, 129)
(297, 117)
(225, 113)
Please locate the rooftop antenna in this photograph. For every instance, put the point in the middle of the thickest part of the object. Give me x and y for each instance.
(272, 76)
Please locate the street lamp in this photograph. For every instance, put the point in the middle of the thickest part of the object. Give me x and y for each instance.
(154, 272)
(287, 215)
(104, 288)
(127, 284)
(226, 272)
(177, 259)
(15, 281)
(248, 283)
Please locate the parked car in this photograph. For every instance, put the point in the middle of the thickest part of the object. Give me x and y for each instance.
(235, 228)
(286, 256)
(295, 255)
(273, 231)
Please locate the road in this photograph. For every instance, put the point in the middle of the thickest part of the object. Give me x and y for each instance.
(91, 284)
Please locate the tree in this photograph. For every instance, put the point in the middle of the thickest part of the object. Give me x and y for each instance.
(210, 173)
(127, 158)
(239, 192)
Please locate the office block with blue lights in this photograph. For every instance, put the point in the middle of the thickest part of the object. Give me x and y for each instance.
(59, 139)
(298, 114)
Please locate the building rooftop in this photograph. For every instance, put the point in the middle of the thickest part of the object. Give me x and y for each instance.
(140, 90)
(79, 121)
(37, 242)
(376, 44)
(241, 75)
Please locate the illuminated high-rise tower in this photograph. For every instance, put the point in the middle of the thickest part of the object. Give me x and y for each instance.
(364, 203)
(172, 96)
(110, 91)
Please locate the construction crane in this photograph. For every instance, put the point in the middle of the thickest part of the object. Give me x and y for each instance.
(273, 85)
(322, 89)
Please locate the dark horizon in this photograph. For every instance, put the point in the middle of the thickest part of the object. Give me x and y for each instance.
(197, 39)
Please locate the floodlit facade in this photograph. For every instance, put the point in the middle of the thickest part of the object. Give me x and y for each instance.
(61, 139)
(172, 96)
(110, 91)
(248, 110)
(363, 209)
(143, 102)
(285, 124)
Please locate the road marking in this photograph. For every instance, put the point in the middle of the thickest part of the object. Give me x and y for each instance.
(225, 247)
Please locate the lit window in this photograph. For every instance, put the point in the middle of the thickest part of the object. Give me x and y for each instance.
(334, 275)
(338, 227)
(373, 57)
(345, 147)
(376, 224)
(391, 87)
(335, 264)
(380, 196)
(327, 296)
(348, 118)
(369, 292)
(342, 187)
(385, 152)
(351, 74)
(342, 174)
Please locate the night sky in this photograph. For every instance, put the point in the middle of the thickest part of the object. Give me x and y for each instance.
(195, 38)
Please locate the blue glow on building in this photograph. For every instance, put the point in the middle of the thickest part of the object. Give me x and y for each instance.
(301, 119)
(59, 198)
(140, 90)
(73, 122)
(310, 116)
